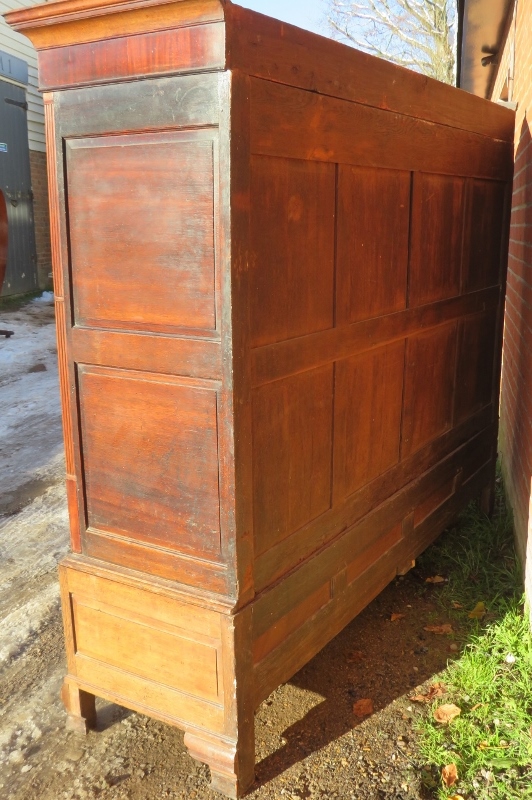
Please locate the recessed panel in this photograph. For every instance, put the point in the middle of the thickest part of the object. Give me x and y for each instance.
(150, 460)
(483, 246)
(367, 426)
(437, 232)
(292, 450)
(373, 223)
(475, 364)
(113, 637)
(429, 386)
(142, 225)
(292, 248)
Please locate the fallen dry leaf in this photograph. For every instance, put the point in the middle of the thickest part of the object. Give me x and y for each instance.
(363, 708)
(436, 690)
(478, 612)
(446, 713)
(456, 797)
(435, 579)
(395, 617)
(439, 629)
(483, 745)
(456, 605)
(356, 655)
(449, 774)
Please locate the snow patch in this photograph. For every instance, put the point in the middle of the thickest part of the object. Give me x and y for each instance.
(45, 297)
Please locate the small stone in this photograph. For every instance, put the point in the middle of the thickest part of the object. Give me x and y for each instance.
(26, 768)
(75, 754)
(16, 757)
(36, 734)
(453, 647)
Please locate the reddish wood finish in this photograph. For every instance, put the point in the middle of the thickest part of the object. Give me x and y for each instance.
(367, 433)
(297, 202)
(437, 235)
(372, 259)
(279, 294)
(292, 427)
(146, 477)
(151, 265)
(3, 239)
(160, 53)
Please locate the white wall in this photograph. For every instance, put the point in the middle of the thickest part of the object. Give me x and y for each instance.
(18, 45)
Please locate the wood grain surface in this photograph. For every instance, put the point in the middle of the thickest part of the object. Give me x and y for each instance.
(279, 268)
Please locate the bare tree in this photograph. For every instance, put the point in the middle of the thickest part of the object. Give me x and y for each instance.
(419, 34)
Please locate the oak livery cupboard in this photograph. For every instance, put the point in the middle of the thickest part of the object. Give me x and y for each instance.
(278, 267)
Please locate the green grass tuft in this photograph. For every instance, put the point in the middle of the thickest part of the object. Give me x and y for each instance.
(16, 301)
(491, 681)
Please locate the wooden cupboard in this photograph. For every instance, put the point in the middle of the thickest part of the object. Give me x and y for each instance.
(279, 274)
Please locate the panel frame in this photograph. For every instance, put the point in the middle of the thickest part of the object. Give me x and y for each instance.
(174, 107)
(182, 135)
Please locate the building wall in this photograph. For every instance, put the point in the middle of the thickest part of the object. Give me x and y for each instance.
(516, 396)
(41, 215)
(20, 46)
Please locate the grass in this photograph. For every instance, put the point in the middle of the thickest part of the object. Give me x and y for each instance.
(491, 681)
(14, 302)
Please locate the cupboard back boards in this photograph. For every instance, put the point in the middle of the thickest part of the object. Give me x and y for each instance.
(278, 272)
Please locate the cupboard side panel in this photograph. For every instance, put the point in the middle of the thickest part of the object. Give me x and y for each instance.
(291, 248)
(148, 185)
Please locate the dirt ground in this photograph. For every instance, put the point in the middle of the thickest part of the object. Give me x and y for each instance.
(310, 744)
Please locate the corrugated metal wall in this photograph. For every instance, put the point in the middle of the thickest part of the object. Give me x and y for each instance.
(18, 45)
(15, 183)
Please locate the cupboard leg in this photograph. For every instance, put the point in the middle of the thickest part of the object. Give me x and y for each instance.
(232, 767)
(487, 499)
(80, 706)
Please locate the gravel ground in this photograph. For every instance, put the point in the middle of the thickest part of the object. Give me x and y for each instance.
(310, 744)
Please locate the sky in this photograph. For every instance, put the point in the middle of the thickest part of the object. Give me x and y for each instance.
(303, 13)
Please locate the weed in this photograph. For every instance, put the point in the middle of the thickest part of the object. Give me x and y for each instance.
(491, 682)
(14, 302)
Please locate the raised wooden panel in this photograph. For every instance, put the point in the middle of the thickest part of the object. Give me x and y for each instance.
(483, 247)
(367, 416)
(292, 248)
(372, 242)
(142, 226)
(376, 550)
(292, 452)
(150, 459)
(437, 232)
(429, 387)
(148, 696)
(475, 364)
(267, 637)
(432, 503)
(111, 636)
